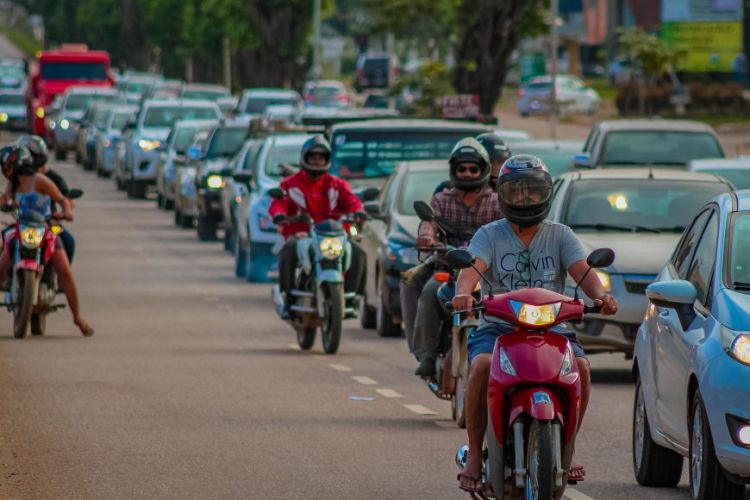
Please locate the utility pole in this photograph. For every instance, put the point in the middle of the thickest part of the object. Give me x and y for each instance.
(227, 63)
(316, 40)
(553, 71)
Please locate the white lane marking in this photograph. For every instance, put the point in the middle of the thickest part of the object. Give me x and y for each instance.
(389, 393)
(294, 347)
(572, 494)
(446, 424)
(341, 368)
(364, 380)
(419, 410)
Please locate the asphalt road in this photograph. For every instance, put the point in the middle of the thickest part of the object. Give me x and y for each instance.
(192, 388)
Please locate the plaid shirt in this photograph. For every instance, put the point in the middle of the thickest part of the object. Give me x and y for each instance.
(468, 219)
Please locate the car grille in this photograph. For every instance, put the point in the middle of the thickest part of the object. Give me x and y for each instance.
(637, 283)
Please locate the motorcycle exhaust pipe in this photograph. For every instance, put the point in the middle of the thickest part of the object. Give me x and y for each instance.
(462, 455)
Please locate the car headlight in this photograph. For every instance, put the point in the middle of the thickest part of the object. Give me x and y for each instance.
(3, 117)
(505, 364)
(606, 282)
(214, 181)
(331, 248)
(31, 237)
(740, 348)
(567, 364)
(535, 315)
(40, 112)
(64, 124)
(52, 125)
(148, 145)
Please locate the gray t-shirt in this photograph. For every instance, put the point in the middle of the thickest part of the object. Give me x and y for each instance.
(511, 266)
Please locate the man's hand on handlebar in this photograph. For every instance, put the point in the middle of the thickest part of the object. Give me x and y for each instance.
(607, 305)
(280, 219)
(425, 242)
(462, 302)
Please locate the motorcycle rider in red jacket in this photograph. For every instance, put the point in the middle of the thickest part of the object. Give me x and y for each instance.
(322, 196)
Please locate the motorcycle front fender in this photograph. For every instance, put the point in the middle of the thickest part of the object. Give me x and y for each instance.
(323, 277)
(539, 403)
(30, 264)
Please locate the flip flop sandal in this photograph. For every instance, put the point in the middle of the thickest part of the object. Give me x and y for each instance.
(476, 493)
(581, 473)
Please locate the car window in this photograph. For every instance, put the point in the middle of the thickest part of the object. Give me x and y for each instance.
(658, 147)
(165, 116)
(591, 140)
(419, 186)
(702, 265)
(738, 263)
(251, 157)
(389, 189)
(280, 155)
(226, 142)
(739, 177)
(681, 258)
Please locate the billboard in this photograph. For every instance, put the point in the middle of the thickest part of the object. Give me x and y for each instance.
(701, 10)
(704, 46)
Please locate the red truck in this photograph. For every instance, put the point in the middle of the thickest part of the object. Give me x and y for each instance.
(56, 70)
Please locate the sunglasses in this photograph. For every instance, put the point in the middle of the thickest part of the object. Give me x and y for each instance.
(462, 169)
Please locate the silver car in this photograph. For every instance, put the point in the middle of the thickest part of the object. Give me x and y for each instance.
(12, 109)
(145, 137)
(186, 193)
(254, 102)
(573, 96)
(640, 214)
(107, 139)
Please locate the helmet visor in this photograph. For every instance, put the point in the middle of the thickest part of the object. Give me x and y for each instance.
(527, 191)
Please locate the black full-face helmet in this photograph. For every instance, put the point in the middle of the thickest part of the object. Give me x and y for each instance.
(16, 160)
(524, 190)
(495, 146)
(469, 151)
(37, 147)
(316, 144)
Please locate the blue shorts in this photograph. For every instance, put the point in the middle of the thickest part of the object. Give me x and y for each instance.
(482, 340)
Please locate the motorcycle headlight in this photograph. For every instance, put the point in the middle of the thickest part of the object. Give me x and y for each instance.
(31, 237)
(214, 181)
(353, 230)
(3, 117)
(331, 248)
(535, 315)
(147, 145)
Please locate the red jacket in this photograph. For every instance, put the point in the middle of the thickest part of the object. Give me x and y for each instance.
(325, 197)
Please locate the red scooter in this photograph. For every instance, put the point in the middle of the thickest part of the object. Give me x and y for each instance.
(534, 390)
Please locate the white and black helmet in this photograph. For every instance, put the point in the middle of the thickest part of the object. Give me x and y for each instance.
(316, 144)
(469, 151)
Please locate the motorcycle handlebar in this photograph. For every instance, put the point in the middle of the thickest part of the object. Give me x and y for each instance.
(592, 309)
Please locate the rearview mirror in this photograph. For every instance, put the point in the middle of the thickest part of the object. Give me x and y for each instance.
(600, 258)
(424, 211)
(679, 295)
(459, 258)
(372, 208)
(194, 153)
(243, 177)
(582, 160)
(369, 194)
(276, 193)
(75, 193)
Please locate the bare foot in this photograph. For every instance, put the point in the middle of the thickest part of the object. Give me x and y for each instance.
(85, 328)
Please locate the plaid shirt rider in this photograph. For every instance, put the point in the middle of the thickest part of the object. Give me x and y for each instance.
(468, 219)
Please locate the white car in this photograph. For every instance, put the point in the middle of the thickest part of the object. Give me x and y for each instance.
(572, 94)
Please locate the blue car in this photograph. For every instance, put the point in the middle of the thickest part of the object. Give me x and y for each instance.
(692, 359)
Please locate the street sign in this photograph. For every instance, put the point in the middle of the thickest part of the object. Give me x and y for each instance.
(461, 106)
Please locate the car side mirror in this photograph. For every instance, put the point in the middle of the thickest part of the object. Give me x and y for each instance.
(679, 295)
(243, 177)
(75, 193)
(226, 172)
(600, 258)
(460, 258)
(194, 153)
(424, 211)
(372, 208)
(276, 193)
(582, 160)
(370, 194)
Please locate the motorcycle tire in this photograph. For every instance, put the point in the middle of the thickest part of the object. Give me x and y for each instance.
(38, 324)
(540, 475)
(27, 288)
(458, 401)
(305, 338)
(333, 316)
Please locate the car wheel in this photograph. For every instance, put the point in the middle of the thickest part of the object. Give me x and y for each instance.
(177, 218)
(653, 465)
(384, 322)
(168, 204)
(60, 154)
(206, 228)
(258, 263)
(707, 477)
(240, 259)
(138, 189)
(160, 200)
(367, 314)
(229, 239)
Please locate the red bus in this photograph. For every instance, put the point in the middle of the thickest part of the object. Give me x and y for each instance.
(56, 70)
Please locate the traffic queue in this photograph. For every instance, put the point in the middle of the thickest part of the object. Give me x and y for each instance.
(502, 269)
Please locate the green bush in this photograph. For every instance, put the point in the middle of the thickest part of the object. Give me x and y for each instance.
(25, 42)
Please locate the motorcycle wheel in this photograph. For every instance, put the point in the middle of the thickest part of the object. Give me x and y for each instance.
(495, 461)
(27, 284)
(305, 338)
(333, 316)
(458, 401)
(38, 323)
(540, 477)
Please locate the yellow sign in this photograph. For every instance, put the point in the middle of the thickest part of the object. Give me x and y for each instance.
(704, 46)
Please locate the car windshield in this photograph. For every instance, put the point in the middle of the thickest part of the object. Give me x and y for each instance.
(373, 153)
(323, 93)
(419, 186)
(738, 263)
(658, 147)
(556, 159)
(226, 142)
(739, 177)
(139, 88)
(11, 99)
(184, 138)
(280, 155)
(259, 104)
(79, 102)
(120, 119)
(534, 86)
(73, 71)
(209, 95)
(100, 117)
(636, 204)
(165, 116)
